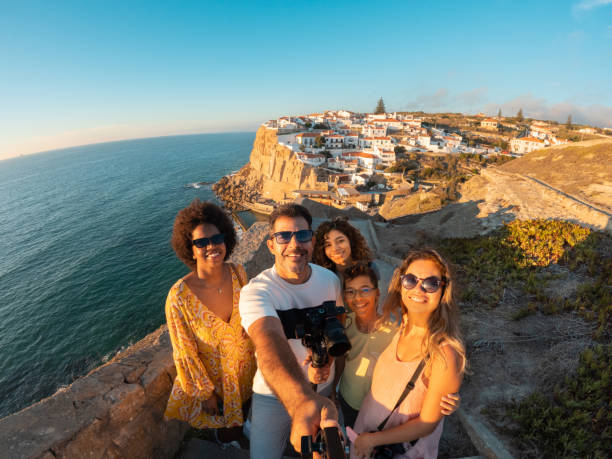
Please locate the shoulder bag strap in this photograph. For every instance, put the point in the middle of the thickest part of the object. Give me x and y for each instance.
(407, 389)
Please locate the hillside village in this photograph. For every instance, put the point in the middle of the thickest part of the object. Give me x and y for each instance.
(368, 159)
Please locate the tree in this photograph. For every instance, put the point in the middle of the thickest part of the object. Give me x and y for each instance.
(319, 141)
(519, 115)
(380, 108)
(499, 113)
(569, 122)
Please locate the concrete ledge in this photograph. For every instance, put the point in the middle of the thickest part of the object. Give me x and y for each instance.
(483, 439)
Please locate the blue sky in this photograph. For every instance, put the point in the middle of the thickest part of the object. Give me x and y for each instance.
(82, 72)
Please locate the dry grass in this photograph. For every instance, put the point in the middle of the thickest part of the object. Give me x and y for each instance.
(583, 170)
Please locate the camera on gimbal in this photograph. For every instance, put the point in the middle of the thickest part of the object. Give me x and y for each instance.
(328, 443)
(319, 329)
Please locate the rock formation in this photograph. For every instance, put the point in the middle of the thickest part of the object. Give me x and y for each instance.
(272, 173)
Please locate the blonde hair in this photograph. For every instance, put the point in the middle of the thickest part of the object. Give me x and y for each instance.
(443, 323)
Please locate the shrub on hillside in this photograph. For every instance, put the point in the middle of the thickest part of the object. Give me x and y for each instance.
(515, 257)
(576, 419)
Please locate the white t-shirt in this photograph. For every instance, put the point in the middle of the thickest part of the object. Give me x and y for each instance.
(267, 292)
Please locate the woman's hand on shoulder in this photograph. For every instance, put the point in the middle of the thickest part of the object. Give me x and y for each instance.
(450, 403)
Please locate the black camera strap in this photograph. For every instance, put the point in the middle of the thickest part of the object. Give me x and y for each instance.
(407, 389)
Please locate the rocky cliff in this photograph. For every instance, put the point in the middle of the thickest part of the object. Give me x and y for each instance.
(272, 173)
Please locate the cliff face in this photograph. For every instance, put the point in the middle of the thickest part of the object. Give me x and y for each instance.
(273, 172)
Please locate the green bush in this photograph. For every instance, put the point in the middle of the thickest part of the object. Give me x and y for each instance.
(576, 419)
(516, 257)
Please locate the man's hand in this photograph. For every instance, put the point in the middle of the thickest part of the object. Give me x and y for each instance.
(318, 375)
(314, 414)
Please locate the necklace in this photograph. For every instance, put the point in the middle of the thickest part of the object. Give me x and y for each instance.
(218, 288)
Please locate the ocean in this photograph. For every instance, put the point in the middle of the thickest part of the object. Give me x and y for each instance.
(86, 261)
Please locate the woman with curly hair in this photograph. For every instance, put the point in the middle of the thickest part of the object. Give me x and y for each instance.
(214, 357)
(338, 245)
(427, 350)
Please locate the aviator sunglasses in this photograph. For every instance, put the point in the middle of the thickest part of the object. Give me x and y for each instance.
(429, 284)
(205, 241)
(284, 237)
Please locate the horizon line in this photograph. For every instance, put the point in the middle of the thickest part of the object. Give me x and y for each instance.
(21, 155)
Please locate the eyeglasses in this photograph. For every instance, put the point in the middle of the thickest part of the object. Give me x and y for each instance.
(205, 241)
(429, 284)
(284, 237)
(363, 292)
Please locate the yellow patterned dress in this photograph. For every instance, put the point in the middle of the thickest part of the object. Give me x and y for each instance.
(210, 355)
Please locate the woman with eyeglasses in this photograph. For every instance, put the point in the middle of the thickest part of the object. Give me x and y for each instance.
(369, 335)
(339, 245)
(214, 357)
(428, 349)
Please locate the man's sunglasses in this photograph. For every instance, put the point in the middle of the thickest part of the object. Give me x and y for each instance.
(205, 241)
(284, 237)
(429, 284)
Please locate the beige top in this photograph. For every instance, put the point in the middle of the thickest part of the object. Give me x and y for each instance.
(388, 382)
(361, 359)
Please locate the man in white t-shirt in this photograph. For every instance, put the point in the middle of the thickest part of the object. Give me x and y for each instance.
(284, 400)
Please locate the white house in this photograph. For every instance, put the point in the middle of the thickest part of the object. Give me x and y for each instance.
(539, 132)
(389, 123)
(359, 179)
(424, 140)
(351, 140)
(350, 165)
(451, 141)
(524, 145)
(306, 138)
(334, 141)
(367, 160)
(344, 114)
(372, 130)
(387, 156)
(371, 142)
(489, 123)
(313, 159)
(413, 123)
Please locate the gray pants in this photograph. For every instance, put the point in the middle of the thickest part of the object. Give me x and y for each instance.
(270, 427)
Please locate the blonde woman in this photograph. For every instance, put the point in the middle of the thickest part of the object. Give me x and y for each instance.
(421, 293)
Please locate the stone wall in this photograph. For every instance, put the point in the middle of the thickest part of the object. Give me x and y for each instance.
(116, 411)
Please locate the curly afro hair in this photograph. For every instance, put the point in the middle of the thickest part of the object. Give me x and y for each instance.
(197, 213)
(359, 247)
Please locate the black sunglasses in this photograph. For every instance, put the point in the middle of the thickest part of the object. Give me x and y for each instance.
(429, 284)
(284, 237)
(205, 241)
